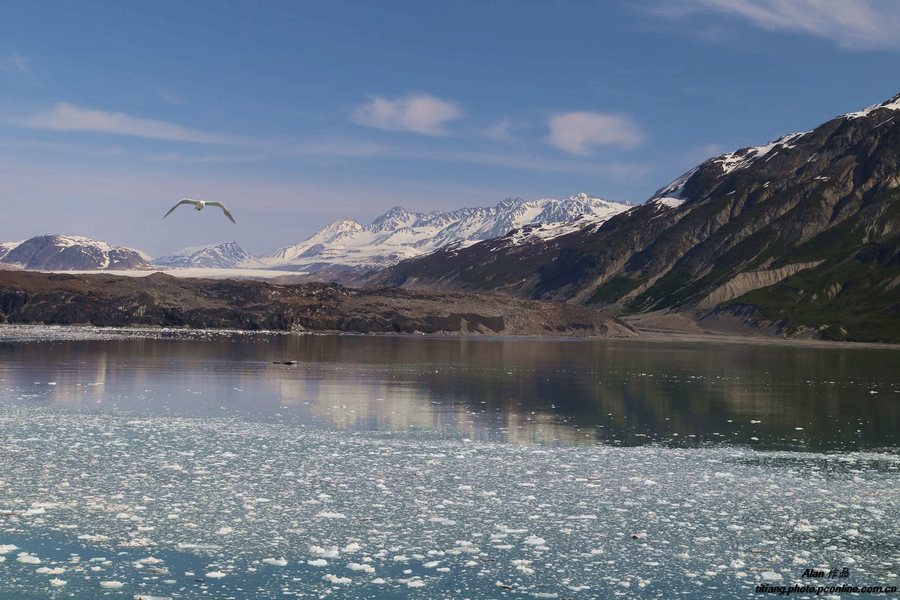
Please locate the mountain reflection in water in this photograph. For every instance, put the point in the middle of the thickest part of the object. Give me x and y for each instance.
(522, 391)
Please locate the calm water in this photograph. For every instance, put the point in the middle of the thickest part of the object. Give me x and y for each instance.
(442, 468)
(521, 391)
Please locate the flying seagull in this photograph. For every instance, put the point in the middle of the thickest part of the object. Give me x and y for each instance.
(199, 204)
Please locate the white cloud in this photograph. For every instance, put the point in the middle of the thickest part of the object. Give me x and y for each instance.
(419, 113)
(854, 24)
(578, 132)
(66, 117)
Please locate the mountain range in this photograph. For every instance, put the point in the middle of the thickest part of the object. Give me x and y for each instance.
(342, 246)
(400, 234)
(799, 235)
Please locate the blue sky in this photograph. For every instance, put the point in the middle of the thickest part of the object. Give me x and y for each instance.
(295, 114)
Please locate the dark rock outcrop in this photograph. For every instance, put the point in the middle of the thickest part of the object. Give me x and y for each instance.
(163, 300)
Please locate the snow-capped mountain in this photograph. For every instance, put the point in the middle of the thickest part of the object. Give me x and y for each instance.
(70, 252)
(217, 256)
(400, 234)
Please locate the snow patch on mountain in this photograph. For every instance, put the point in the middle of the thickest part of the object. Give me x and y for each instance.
(745, 157)
(7, 247)
(400, 234)
(892, 104)
(217, 256)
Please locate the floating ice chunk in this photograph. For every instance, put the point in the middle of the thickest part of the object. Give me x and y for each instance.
(330, 515)
(378, 581)
(351, 548)
(318, 562)
(337, 580)
(146, 597)
(526, 570)
(683, 556)
(851, 533)
(804, 526)
(57, 582)
(535, 541)
(7, 548)
(415, 583)
(215, 574)
(771, 576)
(278, 562)
(359, 567)
(545, 595)
(225, 531)
(28, 559)
(432, 564)
(111, 584)
(49, 571)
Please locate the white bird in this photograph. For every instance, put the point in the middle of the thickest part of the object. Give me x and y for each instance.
(199, 204)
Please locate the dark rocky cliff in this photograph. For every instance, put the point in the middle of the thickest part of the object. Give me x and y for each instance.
(163, 300)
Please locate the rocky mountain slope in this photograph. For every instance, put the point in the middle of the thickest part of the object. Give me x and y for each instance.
(801, 233)
(400, 234)
(217, 256)
(159, 299)
(70, 252)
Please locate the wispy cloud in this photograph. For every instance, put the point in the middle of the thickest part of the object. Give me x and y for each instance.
(16, 65)
(66, 117)
(204, 159)
(501, 132)
(419, 113)
(852, 24)
(578, 132)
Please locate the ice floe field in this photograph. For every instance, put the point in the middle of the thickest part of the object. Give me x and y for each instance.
(98, 504)
(140, 485)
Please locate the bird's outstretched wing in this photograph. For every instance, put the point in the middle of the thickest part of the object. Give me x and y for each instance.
(225, 210)
(183, 201)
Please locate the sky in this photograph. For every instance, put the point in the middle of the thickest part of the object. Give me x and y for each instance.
(295, 114)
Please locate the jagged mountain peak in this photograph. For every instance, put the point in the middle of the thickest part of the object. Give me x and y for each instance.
(399, 233)
(228, 255)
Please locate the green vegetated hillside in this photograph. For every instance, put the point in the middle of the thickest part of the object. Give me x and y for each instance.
(803, 230)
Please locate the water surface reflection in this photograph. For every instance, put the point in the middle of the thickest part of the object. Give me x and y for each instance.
(521, 391)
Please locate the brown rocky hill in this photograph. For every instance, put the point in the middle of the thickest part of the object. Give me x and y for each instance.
(163, 300)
